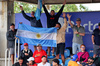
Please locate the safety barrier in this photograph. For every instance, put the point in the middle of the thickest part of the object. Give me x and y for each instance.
(15, 48)
(8, 52)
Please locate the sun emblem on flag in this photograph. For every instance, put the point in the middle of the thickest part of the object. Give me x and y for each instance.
(38, 35)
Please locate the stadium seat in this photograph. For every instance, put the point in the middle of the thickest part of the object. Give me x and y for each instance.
(51, 57)
(66, 53)
(90, 51)
(66, 62)
(60, 61)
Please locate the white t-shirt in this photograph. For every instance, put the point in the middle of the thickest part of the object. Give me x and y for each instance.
(41, 64)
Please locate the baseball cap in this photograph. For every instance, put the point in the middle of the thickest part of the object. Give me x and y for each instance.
(20, 58)
(98, 24)
(38, 45)
(56, 61)
(74, 57)
(30, 59)
(78, 19)
(25, 44)
(12, 24)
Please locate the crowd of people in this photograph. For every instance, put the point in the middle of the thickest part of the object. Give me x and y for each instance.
(39, 57)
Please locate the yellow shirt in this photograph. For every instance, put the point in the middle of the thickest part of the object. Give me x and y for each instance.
(61, 33)
(72, 63)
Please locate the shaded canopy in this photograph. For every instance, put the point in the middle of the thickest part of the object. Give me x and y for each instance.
(61, 1)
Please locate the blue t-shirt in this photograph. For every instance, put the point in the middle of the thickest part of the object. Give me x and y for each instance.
(96, 34)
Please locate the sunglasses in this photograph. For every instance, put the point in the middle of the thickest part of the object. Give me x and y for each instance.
(82, 47)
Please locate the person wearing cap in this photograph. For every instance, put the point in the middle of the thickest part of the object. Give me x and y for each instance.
(96, 41)
(26, 53)
(61, 39)
(55, 62)
(20, 62)
(73, 62)
(31, 62)
(11, 36)
(39, 53)
(44, 62)
(90, 62)
(79, 32)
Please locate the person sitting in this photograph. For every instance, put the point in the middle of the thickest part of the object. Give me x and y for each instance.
(20, 63)
(83, 55)
(31, 62)
(90, 62)
(39, 53)
(55, 62)
(44, 62)
(26, 53)
(73, 62)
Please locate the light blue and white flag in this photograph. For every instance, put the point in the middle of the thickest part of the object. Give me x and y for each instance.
(38, 10)
(34, 36)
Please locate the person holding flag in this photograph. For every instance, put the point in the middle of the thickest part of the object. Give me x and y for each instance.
(35, 17)
(52, 19)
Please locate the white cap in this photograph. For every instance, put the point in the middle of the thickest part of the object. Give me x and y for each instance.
(30, 59)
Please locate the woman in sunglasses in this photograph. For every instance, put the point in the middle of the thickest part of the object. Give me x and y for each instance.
(83, 55)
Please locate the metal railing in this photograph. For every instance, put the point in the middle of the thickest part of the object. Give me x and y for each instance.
(15, 49)
(8, 52)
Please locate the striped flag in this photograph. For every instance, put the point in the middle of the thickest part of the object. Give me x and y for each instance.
(34, 36)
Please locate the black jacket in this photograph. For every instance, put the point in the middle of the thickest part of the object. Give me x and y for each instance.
(17, 64)
(26, 57)
(52, 20)
(11, 38)
(33, 21)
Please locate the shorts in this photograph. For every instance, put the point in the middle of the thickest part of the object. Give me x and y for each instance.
(60, 48)
(12, 50)
(96, 49)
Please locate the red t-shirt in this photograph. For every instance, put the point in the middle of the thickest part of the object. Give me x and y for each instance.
(38, 55)
(33, 65)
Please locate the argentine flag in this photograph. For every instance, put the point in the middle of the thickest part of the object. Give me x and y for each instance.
(34, 36)
(38, 10)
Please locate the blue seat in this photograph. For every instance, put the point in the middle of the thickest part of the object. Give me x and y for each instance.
(60, 61)
(66, 62)
(90, 51)
(51, 57)
(66, 53)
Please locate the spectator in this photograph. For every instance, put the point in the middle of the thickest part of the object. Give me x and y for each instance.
(39, 53)
(73, 62)
(83, 55)
(52, 19)
(79, 31)
(26, 53)
(90, 62)
(31, 62)
(20, 63)
(61, 39)
(32, 19)
(11, 36)
(44, 62)
(55, 62)
(96, 41)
